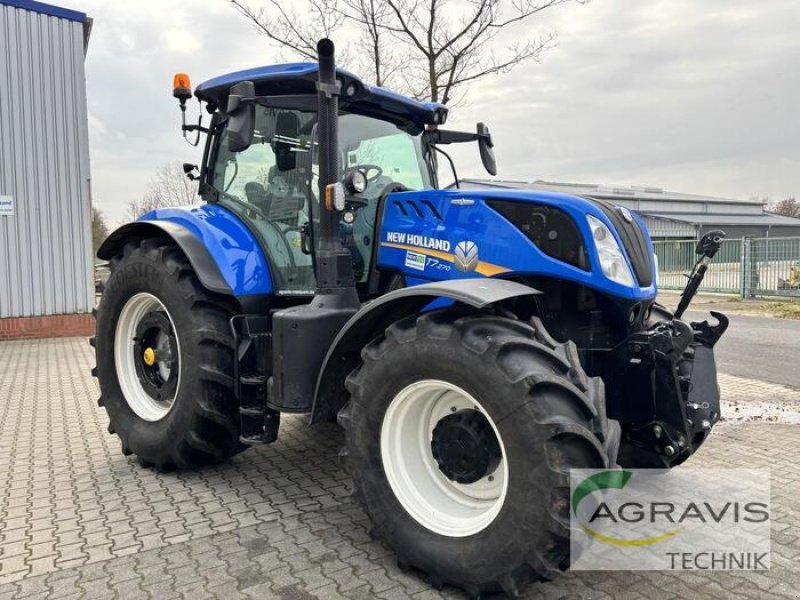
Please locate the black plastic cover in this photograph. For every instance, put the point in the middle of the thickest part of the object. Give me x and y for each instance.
(301, 337)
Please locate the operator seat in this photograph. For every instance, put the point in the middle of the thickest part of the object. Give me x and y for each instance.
(257, 196)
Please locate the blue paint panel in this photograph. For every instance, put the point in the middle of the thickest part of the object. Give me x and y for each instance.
(260, 74)
(300, 78)
(47, 9)
(231, 244)
(499, 242)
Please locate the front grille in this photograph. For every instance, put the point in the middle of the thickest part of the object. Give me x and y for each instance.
(551, 229)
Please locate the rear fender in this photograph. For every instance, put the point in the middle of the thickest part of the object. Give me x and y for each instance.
(222, 251)
(344, 354)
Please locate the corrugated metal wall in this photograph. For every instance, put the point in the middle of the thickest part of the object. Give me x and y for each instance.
(662, 228)
(45, 248)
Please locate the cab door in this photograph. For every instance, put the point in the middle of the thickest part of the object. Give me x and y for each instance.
(268, 186)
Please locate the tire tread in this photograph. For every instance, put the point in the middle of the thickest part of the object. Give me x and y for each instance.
(547, 363)
(212, 433)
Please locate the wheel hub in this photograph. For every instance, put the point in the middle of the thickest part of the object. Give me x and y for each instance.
(153, 359)
(149, 357)
(465, 446)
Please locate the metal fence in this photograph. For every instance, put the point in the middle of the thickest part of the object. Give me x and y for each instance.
(749, 266)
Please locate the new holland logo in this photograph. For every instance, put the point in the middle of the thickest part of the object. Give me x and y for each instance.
(466, 256)
(626, 214)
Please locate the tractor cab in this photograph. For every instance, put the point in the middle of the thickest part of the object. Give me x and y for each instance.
(270, 178)
(272, 185)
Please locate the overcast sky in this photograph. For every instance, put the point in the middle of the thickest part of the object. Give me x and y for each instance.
(697, 96)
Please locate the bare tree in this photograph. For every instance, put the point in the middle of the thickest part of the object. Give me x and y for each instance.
(99, 229)
(789, 207)
(372, 16)
(418, 46)
(453, 52)
(296, 31)
(168, 187)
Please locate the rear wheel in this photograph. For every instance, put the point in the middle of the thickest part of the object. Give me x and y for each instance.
(165, 356)
(147, 356)
(461, 431)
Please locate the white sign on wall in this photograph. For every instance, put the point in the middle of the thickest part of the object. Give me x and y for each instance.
(6, 206)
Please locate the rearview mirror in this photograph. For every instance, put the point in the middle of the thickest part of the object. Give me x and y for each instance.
(485, 145)
(241, 116)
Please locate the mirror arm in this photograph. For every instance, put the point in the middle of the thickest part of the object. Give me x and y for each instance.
(436, 137)
(187, 128)
(197, 127)
(444, 136)
(452, 165)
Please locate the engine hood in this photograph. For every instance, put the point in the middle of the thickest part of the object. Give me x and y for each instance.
(630, 228)
(452, 216)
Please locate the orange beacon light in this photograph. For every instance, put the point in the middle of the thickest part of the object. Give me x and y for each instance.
(181, 87)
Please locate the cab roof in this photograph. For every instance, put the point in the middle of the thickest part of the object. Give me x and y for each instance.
(301, 78)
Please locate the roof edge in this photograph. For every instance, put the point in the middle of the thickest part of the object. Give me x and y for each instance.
(47, 9)
(301, 78)
(613, 193)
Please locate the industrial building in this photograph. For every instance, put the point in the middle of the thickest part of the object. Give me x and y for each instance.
(673, 215)
(46, 280)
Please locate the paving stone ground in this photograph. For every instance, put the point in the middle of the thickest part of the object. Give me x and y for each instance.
(80, 520)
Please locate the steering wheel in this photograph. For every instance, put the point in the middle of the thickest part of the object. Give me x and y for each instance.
(367, 168)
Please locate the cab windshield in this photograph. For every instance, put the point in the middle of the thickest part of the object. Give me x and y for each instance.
(273, 185)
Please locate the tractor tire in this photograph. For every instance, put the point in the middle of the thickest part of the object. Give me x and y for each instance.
(165, 357)
(421, 386)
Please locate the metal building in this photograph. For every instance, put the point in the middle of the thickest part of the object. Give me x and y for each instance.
(46, 281)
(673, 215)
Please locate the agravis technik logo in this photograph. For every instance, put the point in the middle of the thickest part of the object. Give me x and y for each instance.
(629, 519)
(606, 480)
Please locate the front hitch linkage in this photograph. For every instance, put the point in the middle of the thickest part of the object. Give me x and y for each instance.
(707, 247)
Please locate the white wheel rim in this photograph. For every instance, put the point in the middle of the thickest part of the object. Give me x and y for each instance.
(439, 504)
(125, 349)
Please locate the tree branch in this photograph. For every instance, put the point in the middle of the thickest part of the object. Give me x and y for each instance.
(414, 43)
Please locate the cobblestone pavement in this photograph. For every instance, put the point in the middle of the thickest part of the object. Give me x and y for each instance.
(80, 520)
(751, 400)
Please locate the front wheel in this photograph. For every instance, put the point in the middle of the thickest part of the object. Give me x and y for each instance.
(165, 356)
(461, 431)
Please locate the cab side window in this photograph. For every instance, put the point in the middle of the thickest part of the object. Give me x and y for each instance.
(267, 185)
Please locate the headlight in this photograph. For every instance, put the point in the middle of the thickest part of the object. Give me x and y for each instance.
(655, 267)
(356, 181)
(611, 259)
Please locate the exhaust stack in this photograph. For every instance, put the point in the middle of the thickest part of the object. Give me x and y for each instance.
(301, 335)
(335, 280)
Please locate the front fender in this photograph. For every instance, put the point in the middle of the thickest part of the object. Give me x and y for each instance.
(372, 320)
(224, 253)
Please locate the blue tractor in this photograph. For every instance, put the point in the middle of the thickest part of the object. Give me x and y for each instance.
(475, 345)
